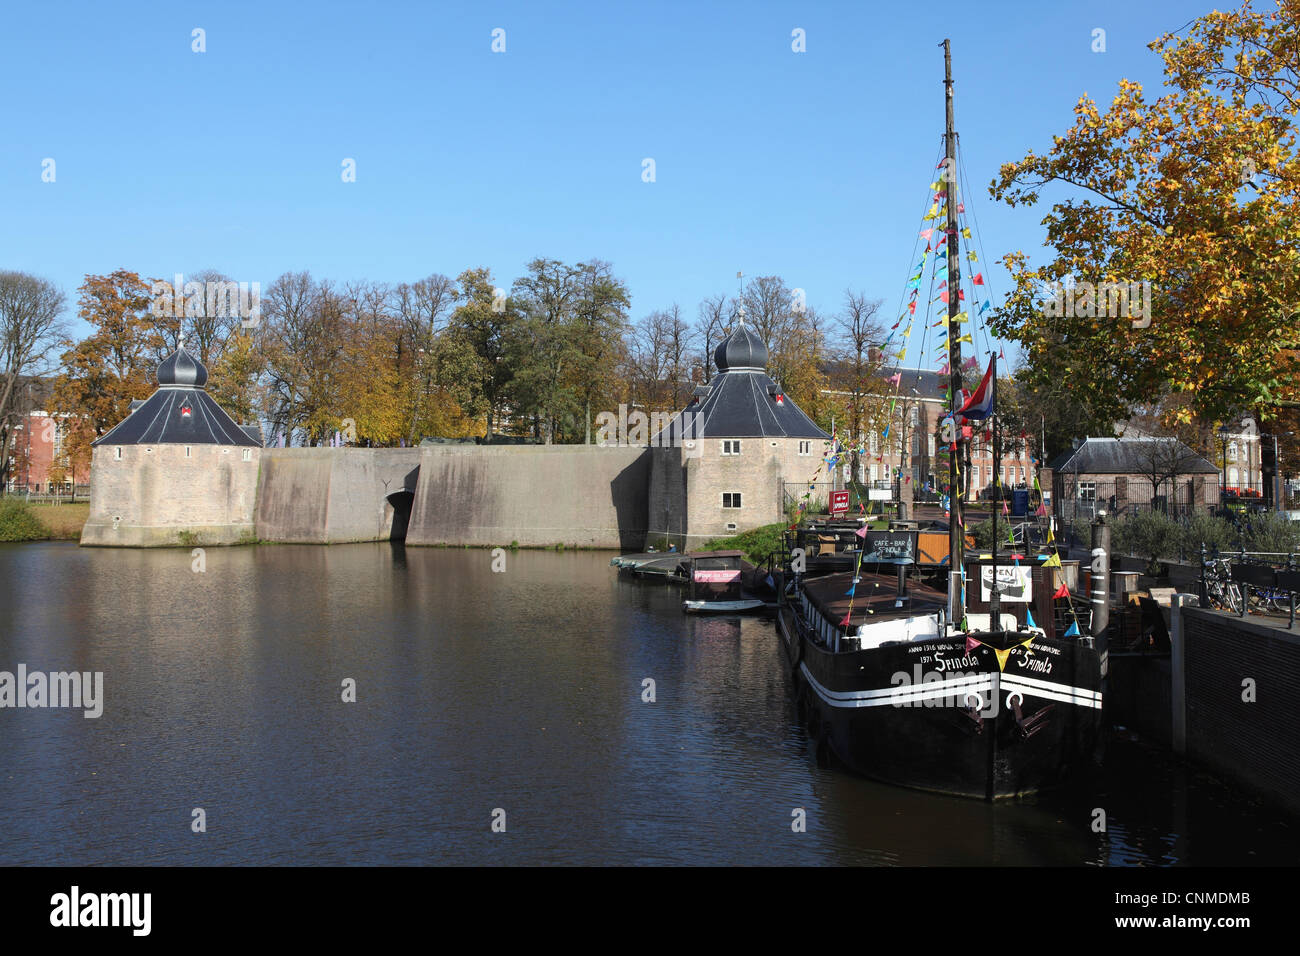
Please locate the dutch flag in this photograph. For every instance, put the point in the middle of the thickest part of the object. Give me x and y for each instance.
(980, 405)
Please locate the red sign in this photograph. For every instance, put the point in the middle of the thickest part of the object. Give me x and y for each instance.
(839, 503)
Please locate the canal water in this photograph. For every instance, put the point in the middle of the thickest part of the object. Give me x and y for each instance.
(482, 696)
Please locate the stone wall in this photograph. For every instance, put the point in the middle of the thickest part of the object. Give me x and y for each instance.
(158, 495)
(538, 496)
(666, 517)
(760, 473)
(335, 495)
(574, 495)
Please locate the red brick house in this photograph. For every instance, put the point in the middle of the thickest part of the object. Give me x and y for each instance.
(37, 463)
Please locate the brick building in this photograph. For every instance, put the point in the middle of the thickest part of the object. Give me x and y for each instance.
(1121, 475)
(913, 442)
(38, 463)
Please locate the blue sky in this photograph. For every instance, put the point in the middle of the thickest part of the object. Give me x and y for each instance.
(813, 166)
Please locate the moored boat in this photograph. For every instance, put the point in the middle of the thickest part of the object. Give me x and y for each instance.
(979, 687)
(716, 582)
(897, 693)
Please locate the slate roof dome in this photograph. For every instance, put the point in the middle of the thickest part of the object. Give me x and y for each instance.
(741, 401)
(182, 368)
(180, 412)
(742, 350)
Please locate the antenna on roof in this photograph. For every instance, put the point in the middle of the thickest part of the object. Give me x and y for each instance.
(740, 297)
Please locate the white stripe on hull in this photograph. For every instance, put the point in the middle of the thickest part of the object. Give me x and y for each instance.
(983, 684)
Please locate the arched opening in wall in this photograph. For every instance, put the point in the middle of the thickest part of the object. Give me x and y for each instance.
(401, 502)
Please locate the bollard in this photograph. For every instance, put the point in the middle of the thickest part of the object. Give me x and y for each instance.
(1100, 575)
(1178, 670)
(1204, 594)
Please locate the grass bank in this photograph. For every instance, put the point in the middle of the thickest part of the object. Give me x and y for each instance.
(20, 521)
(757, 543)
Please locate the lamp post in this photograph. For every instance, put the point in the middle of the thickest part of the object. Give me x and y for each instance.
(1223, 485)
(1276, 478)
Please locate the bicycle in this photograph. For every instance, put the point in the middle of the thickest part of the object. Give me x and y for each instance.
(1222, 591)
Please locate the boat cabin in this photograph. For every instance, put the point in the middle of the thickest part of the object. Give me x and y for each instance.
(716, 576)
(879, 614)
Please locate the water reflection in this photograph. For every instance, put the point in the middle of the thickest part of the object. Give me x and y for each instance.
(477, 690)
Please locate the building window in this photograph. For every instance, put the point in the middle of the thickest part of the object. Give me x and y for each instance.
(1087, 491)
(248, 454)
(916, 415)
(731, 447)
(875, 442)
(117, 452)
(805, 448)
(187, 452)
(1232, 451)
(931, 446)
(731, 499)
(873, 472)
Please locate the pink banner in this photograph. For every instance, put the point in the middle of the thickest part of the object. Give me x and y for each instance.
(717, 577)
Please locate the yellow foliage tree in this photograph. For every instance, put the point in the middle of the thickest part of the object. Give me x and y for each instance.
(1197, 194)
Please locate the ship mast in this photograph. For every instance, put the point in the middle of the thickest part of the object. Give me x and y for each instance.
(956, 531)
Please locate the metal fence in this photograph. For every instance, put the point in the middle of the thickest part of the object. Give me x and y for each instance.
(1083, 498)
(66, 496)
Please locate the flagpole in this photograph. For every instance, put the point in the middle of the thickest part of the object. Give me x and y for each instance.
(995, 603)
(956, 530)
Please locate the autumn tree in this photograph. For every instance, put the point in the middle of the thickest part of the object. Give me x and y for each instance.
(114, 365)
(805, 352)
(599, 321)
(423, 309)
(1194, 192)
(482, 331)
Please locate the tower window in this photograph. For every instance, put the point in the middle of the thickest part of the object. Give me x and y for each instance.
(731, 499)
(117, 453)
(248, 454)
(187, 452)
(805, 448)
(731, 447)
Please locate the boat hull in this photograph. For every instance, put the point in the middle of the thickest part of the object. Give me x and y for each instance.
(723, 607)
(927, 714)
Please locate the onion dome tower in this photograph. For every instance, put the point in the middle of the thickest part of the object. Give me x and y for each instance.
(180, 412)
(742, 401)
